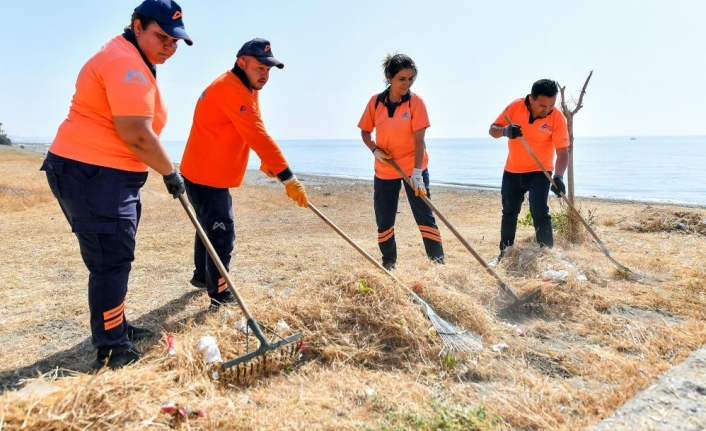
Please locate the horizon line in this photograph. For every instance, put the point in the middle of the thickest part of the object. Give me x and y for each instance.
(47, 140)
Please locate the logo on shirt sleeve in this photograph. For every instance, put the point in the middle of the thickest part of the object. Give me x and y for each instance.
(135, 77)
(546, 128)
(242, 109)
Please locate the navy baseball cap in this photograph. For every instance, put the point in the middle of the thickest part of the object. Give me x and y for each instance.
(168, 15)
(262, 51)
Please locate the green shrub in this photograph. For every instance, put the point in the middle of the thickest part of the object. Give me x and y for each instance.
(4, 140)
(560, 219)
(444, 416)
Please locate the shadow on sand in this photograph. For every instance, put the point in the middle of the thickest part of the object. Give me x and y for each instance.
(78, 359)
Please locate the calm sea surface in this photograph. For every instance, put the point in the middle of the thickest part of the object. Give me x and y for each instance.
(657, 169)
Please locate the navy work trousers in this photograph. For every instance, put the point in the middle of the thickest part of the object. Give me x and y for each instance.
(386, 199)
(513, 190)
(214, 209)
(102, 205)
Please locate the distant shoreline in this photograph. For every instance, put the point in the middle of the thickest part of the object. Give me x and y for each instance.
(327, 179)
(38, 148)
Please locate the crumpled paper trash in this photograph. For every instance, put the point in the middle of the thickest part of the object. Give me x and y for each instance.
(37, 388)
(519, 329)
(242, 326)
(499, 348)
(556, 275)
(211, 353)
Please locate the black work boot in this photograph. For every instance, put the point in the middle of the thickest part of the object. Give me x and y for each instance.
(198, 281)
(115, 360)
(388, 264)
(135, 333)
(497, 259)
(222, 299)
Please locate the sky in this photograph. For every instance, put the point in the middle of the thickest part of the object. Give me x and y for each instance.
(474, 57)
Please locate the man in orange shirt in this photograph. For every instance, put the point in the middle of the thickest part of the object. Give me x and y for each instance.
(544, 129)
(99, 160)
(227, 124)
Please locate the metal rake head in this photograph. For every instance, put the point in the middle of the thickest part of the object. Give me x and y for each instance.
(279, 354)
(454, 338)
(281, 358)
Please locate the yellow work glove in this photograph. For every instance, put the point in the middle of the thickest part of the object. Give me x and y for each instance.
(266, 170)
(381, 155)
(295, 191)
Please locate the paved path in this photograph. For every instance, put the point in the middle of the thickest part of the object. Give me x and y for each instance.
(675, 402)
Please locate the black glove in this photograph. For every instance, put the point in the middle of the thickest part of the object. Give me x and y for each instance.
(560, 188)
(512, 132)
(174, 183)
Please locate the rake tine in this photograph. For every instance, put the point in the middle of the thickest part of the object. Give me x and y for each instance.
(600, 243)
(431, 314)
(516, 300)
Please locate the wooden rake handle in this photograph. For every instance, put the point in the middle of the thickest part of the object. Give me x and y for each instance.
(214, 256)
(458, 235)
(360, 250)
(601, 244)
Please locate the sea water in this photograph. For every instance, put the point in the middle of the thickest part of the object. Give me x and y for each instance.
(651, 169)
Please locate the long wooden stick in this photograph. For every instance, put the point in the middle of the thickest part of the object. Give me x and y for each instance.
(601, 244)
(454, 338)
(458, 235)
(214, 255)
(365, 254)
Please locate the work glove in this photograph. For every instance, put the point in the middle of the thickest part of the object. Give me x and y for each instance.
(174, 183)
(381, 155)
(264, 168)
(560, 188)
(295, 191)
(418, 182)
(512, 131)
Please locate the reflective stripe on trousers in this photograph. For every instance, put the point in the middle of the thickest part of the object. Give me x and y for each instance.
(103, 207)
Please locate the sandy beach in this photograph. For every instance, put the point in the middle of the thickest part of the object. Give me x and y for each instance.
(594, 339)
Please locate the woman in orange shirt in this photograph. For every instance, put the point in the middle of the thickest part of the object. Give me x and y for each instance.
(399, 119)
(99, 160)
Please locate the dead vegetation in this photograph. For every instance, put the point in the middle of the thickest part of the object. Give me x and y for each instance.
(373, 362)
(652, 219)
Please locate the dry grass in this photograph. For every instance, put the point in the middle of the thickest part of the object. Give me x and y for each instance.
(372, 361)
(652, 219)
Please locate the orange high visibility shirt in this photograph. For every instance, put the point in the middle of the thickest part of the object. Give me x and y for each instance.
(396, 135)
(114, 82)
(227, 124)
(544, 136)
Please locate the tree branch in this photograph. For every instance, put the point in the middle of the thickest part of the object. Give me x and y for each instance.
(564, 108)
(579, 105)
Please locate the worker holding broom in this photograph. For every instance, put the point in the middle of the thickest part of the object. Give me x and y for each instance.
(544, 129)
(99, 159)
(226, 125)
(399, 119)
